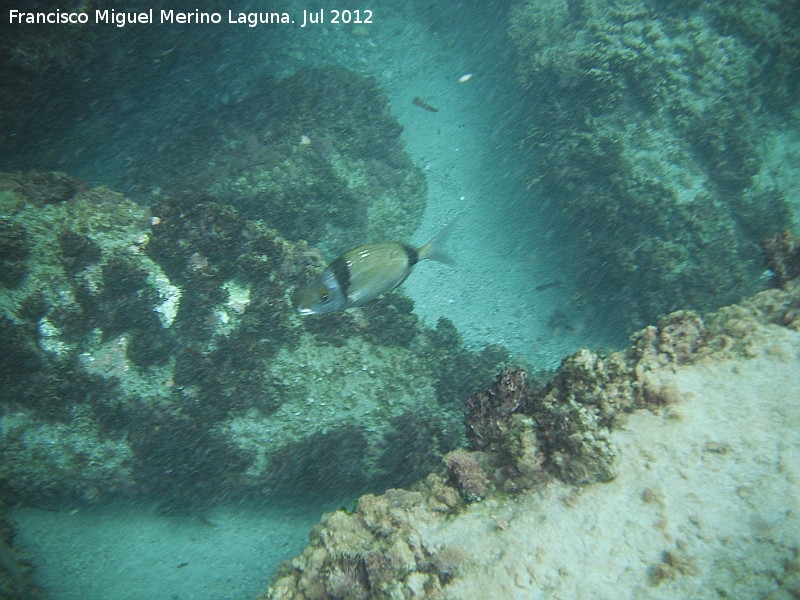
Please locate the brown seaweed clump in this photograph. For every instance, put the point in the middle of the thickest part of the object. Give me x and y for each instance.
(51, 187)
(14, 251)
(783, 257)
(468, 475)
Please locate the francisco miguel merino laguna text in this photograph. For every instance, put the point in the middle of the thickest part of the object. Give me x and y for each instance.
(121, 19)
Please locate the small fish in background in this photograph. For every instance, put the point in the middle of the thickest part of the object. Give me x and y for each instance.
(423, 105)
(548, 285)
(366, 272)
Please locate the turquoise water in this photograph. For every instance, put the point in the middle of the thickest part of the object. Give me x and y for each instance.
(169, 426)
(121, 550)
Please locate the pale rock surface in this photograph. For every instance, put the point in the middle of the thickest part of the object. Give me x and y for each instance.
(706, 503)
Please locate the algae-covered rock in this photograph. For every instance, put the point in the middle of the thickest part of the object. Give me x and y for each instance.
(317, 155)
(13, 252)
(157, 351)
(563, 428)
(647, 127)
(373, 552)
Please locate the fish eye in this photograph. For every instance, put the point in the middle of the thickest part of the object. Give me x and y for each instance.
(325, 297)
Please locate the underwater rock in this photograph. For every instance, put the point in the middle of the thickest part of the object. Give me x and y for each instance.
(77, 251)
(645, 127)
(373, 552)
(316, 154)
(467, 473)
(157, 352)
(50, 187)
(685, 446)
(179, 460)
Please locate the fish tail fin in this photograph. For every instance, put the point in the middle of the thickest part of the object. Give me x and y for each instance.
(434, 249)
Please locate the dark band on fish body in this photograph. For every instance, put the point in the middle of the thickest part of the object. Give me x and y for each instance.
(413, 255)
(342, 274)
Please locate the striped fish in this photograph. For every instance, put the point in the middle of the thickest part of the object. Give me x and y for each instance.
(366, 272)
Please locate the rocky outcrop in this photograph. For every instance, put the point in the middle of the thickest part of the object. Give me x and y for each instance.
(655, 131)
(156, 351)
(668, 469)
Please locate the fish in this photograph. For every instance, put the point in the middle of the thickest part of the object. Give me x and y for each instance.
(364, 273)
(423, 105)
(546, 286)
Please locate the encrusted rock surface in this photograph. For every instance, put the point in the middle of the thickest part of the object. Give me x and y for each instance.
(669, 469)
(156, 350)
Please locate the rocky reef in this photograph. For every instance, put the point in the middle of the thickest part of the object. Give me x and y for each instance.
(654, 128)
(668, 469)
(316, 154)
(156, 351)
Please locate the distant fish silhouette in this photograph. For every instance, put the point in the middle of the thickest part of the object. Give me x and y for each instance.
(548, 285)
(422, 104)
